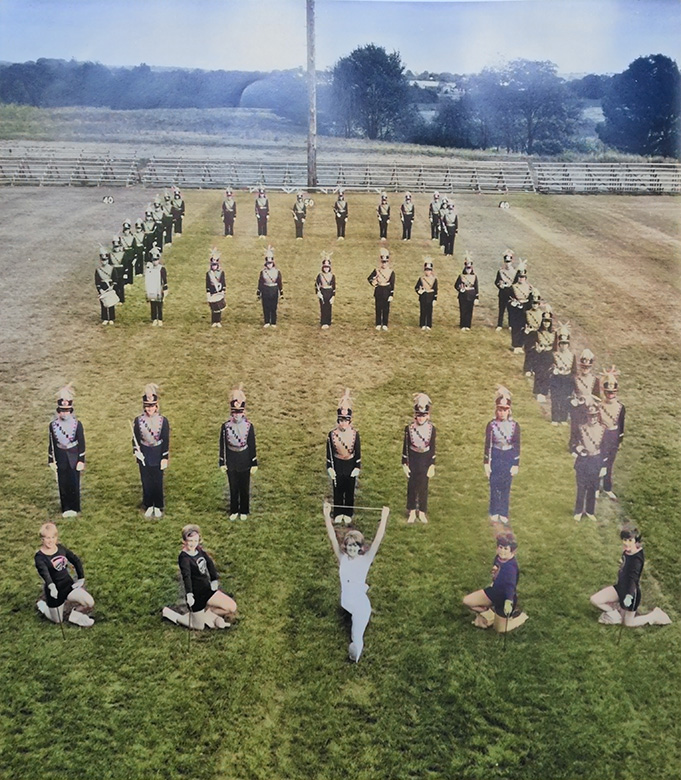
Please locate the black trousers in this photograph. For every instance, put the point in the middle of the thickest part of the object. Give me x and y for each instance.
(69, 483)
(177, 225)
(340, 227)
(610, 446)
(406, 227)
(156, 311)
(140, 253)
(516, 319)
(262, 226)
(543, 367)
(434, 228)
(299, 227)
(118, 280)
(504, 296)
(344, 494)
(152, 486)
(381, 296)
(426, 307)
(561, 390)
(450, 235)
(229, 226)
(587, 470)
(270, 301)
(465, 312)
(239, 491)
(108, 312)
(383, 227)
(167, 230)
(325, 308)
(417, 491)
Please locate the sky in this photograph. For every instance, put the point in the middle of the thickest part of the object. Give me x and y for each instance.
(457, 36)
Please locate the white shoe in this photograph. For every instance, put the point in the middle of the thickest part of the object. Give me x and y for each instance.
(43, 608)
(528, 373)
(423, 327)
(111, 322)
(266, 325)
(234, 516)
(590, 517)
(160, 323)
(168, 614)
(428, 327)
(353, 655)
(220, 622)
(498, 328)
(494, 518)
(213, 324)
(338, 519)
(553, 422)
(69, 513)
(503, 519)
(378, 327)
(541, 398)
(104, 322)
(154, 323)
(273, 325)
(325, 327)
(218, 324)
(610, 494)
(578, 517)
(412, 516)
(385, 327)
(158, 512)
(80, 619)
(517, 350)
(659, 618)
(422, 517)
(347, 519)
(243, 517)
(149, 512)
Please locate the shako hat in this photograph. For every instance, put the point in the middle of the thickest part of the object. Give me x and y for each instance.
(150, 396)
(344, 410)
(65, 398)
(237, 399)
(609, 381)
(586, 358)
(421, 403)
(502, 397)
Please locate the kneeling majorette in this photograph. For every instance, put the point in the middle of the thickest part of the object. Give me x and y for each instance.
(66, 452)
(496, 604)
(325, 287)
(418, 458)
(564, 367)
(156, 285)
(343, 461)
(382, 279)
(502, 456)
(237, 455)
(151, 447)
(208, 605)
(612, 416)
(467, 287)
(51, 561)
(586, 445)
(215, 289)
(426, 289)
(270, 289)
(354, 561)
(619, 602)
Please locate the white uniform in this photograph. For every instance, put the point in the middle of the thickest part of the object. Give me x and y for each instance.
(353, 573)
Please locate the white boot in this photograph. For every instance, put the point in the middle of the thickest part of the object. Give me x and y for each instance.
(80, 619)
(658, 618)
(412, 516)
(149, 512)
(168, 614)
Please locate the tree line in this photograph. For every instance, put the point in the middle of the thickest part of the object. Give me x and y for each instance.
(523, 107)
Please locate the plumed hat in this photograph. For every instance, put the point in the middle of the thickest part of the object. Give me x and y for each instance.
(150, 397)
(65, 398)
(237, 399)
(344, 410)
(502, 397)
(609, 381)
(421, 403)
(587, 357)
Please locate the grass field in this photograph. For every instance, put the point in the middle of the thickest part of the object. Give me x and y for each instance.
(274, 697)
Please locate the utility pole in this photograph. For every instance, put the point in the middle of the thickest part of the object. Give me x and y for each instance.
(312, 99)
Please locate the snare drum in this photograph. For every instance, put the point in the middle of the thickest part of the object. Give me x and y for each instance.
(109, 298)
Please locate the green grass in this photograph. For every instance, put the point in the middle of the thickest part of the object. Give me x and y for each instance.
(274, 697)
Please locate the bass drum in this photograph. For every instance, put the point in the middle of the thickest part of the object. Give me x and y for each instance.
(109, 298)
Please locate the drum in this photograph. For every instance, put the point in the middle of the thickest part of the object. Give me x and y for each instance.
(109, 298)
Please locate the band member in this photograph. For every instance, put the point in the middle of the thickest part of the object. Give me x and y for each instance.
(118, 275)
(208, 605)
(621, 601)
(215, 289)
(66, 452)
(229, 212)
(52, 561)
(178, 209)
(533, 318)
(151, 447)
(139, 235)
(449, 227)
(325, 286)
(612, 416)
(167, 219)
(157, 215)
(434, 216)
(564, 368)
(105, 288)
(495, 605)
(585, 385)
(150, 242)
(586, 445)
(444, 203)
(238, 457)
(355, 558)
(502, 456)
(299, 211)
(383, 214)
(407, 215)
(129, 246)
(270, 289)
(382, 279)
(156, 285)
(418, 458)
(262, 212)
(467, 286)
(503, 282)
(340, 211)
(426, 289)
(541, 344)
(519, 303)
(343, 461)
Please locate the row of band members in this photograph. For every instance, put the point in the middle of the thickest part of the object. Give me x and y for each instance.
(210, 607)
(596, 435)
(442, 215)
(137, 252)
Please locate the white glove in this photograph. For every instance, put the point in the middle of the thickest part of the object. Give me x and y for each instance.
(488, 470)
(476, 302)
(407, 470)
(332, 299)
(603, 472)
(190, 599)
(53, 466)
(320, 296)
(164, 464)
(628, 600)
(514, 470)
(434, 301)
(53, 590)
(140, 456)
(354, 472)
(207, 297)
(332, 473)
(223, 469)
(254, 469)
(508, 607)
(431, 471)
(79, 583)
(574, 455)
(80, 465)
(390, 299)
(420, 291)
(214, 585)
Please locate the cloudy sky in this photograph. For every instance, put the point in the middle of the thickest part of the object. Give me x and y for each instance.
(459, 36)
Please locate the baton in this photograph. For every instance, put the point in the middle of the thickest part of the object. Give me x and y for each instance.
(137, 449)
(61, 624)
(368, 508)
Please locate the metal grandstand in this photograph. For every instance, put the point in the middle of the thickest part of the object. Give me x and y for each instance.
(499, 177)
